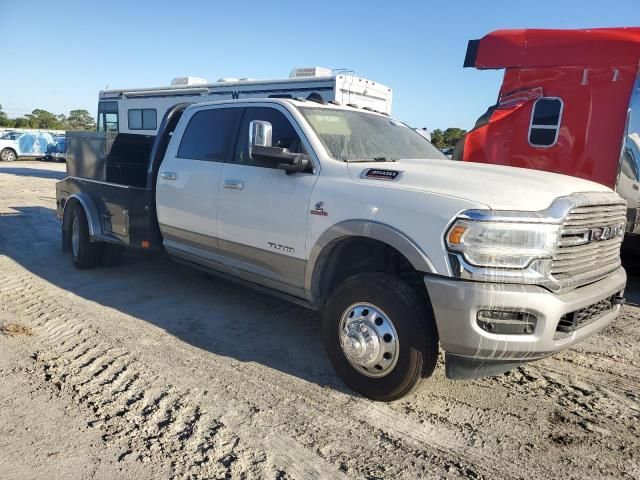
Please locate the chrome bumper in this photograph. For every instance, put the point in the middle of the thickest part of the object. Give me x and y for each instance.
(473, 352)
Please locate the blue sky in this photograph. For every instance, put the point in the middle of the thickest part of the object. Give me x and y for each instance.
(58, 55)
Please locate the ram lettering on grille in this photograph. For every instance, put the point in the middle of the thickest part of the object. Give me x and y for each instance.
(589, 245)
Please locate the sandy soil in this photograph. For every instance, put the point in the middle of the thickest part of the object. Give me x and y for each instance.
(152, 370)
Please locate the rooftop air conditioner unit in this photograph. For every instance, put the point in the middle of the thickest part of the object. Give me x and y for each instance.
(186, 81)
(310, 72)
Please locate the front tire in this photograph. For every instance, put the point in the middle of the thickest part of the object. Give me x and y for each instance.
(380, 336)
(8, 155)
(84, 253)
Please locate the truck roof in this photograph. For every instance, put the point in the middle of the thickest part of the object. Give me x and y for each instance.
(524, 48)
(297, 102)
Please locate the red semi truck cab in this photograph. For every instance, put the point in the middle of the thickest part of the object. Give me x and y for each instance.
(569, 103)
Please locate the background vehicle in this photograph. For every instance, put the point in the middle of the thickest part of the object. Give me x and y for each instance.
(137, 111)
(57, 151)
(25, 144)
(354, 214)
(569, 103)
(9, 135)
(9, 146)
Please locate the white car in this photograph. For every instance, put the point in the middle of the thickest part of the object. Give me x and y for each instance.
(14, 145)
(354, 214)
(9, 146)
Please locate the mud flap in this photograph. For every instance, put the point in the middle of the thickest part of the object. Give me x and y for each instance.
(466, 368)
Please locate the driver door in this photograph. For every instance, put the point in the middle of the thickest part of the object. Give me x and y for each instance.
(262, 211)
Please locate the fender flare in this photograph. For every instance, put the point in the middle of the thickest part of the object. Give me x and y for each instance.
(90, 210)
(360, 228)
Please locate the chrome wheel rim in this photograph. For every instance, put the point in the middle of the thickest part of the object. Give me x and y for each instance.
(75, 236)
(7, 156)
(369, 340)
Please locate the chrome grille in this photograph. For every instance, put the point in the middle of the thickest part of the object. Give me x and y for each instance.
(580, 259)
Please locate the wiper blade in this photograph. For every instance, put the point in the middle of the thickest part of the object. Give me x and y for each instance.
(384, 159)
(374, 159)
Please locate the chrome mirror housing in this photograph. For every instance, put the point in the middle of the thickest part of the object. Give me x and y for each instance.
(260, 135)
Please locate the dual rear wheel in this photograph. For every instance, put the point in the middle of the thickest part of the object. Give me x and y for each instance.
(84, 252)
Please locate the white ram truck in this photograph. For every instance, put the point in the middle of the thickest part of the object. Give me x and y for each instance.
(354, 214)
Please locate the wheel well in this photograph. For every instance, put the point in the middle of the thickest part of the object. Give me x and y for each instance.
(12, 149)
(350, 256)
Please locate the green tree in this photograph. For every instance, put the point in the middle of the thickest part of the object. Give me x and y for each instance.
(42, 119)
(21, 122)
(447, 138)
(80, 120)
(4, 120)
(452, 136)
(437, 138)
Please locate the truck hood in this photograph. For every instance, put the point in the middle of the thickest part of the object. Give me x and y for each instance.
(496, 186)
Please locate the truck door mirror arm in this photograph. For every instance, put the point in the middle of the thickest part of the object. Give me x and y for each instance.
(261, 146)
(283, 158)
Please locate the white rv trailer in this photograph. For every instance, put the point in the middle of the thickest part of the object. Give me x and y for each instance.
(139, 111)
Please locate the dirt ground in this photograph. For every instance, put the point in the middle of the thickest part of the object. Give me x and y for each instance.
(153, 370)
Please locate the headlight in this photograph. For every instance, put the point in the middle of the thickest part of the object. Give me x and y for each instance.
(502, 244)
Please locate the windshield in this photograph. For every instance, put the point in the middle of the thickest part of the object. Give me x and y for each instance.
(356, 136)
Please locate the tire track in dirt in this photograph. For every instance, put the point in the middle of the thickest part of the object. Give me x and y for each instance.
(159, 424)
(389, 443)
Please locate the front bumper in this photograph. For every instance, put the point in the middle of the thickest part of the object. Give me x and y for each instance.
(473, 352)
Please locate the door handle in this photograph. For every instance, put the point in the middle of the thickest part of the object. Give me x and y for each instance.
(233, 184)
(168, 175)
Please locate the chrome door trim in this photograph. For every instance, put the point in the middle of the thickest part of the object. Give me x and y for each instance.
(220, 263)
(261, 264)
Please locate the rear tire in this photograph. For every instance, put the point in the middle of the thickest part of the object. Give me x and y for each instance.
(84, 253)
(380, 336)
(8, 155)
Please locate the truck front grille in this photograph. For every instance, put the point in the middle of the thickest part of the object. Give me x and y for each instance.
(589, 245)
(580, 318)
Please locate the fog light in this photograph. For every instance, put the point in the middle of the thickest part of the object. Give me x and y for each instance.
(506, 322)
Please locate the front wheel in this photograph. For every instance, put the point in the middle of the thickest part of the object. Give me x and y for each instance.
(8, 155)
(380, 336)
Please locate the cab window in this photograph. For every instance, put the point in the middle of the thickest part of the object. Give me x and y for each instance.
(284, 135)
(545, 122)
(108, 117)
(142, 118)
(210, 134)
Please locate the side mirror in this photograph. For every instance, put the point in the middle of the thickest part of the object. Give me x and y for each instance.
(260, 135)
(261, 146)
